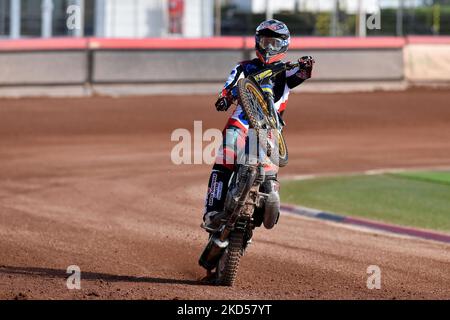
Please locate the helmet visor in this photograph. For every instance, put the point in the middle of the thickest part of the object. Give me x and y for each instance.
(272, 45)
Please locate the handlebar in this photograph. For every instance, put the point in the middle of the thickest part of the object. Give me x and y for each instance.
(292, 65)
(272, 70)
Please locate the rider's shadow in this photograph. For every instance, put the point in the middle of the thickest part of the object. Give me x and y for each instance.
(58, 273)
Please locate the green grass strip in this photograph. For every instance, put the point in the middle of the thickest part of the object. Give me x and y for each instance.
(393, 198)
(430, 176)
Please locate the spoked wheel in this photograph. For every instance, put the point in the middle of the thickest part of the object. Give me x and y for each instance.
(254, 105)
(229, 262)
(259, 117)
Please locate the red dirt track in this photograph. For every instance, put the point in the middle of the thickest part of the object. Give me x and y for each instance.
(89, 182)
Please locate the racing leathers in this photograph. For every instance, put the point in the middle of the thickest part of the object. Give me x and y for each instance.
(235, 132)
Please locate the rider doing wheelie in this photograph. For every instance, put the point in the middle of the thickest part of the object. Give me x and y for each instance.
(271, 43)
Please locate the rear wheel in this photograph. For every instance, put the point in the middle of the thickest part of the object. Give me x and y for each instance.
(229, 262)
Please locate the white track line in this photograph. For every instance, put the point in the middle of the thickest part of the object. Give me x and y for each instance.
(374, 171)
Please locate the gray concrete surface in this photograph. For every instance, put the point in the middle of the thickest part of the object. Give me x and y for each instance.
(163, 66)
(144, 72)
(25, 68)
(381, 64)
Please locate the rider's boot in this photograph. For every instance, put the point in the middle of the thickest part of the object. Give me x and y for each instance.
(215, 197)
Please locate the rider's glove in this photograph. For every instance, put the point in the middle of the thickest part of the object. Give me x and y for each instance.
(223, 103)
(306, 64)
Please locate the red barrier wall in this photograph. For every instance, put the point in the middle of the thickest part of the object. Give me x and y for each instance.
(230, 43)
(52, 44)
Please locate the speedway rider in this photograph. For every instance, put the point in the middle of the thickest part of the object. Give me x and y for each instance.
(271, 43)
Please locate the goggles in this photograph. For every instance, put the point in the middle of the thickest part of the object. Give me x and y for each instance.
(272, 44)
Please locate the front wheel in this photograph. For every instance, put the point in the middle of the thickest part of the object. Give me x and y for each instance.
(257, 112)
(255, 107)
(229, 262)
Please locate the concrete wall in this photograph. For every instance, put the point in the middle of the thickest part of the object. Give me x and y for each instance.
(163, 66)
(207, 65)
(44, 67)
(354, 64)
(206, 61)
(427, 63)
(153, 66)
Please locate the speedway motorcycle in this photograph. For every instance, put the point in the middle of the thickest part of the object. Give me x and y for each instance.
(252, 197)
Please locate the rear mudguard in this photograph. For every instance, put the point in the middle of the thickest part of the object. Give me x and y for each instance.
(212, 252)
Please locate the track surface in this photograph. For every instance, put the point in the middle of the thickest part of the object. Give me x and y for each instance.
(89, 182)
